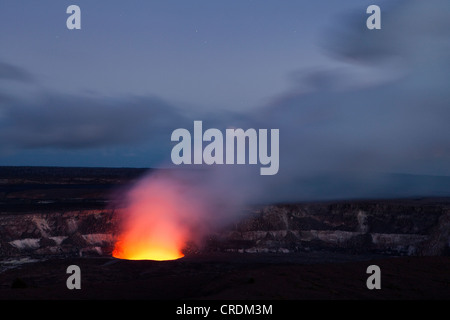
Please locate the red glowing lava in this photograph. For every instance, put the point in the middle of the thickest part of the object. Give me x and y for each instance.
(157, 221)
(150, 239)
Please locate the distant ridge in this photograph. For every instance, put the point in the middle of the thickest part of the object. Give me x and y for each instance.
(67, 173)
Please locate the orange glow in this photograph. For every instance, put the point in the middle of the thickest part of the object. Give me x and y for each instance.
(143, 241)
(157, 220)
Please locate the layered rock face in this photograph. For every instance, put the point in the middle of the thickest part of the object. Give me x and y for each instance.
(80, 232)
(401, 227)
(388, 227)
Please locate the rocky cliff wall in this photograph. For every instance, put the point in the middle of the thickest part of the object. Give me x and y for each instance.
(50, 233)
(390, 227)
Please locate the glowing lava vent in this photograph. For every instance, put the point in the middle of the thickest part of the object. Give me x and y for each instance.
(157, 221)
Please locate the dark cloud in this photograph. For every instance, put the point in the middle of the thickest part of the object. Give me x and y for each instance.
(33, 118)
(14, 73)
(77, 122)
(407, 28)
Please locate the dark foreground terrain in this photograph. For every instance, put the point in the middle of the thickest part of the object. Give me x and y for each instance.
(232, 276)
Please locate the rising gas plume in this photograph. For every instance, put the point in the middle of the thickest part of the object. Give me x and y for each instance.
(164, 212)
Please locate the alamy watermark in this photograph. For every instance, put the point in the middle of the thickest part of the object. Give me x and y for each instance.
(74, 280)
(190, 150)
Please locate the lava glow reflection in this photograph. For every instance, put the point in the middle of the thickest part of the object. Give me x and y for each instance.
(156, 222)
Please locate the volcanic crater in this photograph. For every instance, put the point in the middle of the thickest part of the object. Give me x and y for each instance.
(51, 218)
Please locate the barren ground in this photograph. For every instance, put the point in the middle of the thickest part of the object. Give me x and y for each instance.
(233, 276)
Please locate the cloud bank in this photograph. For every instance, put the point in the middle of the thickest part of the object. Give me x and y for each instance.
(77, 122)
